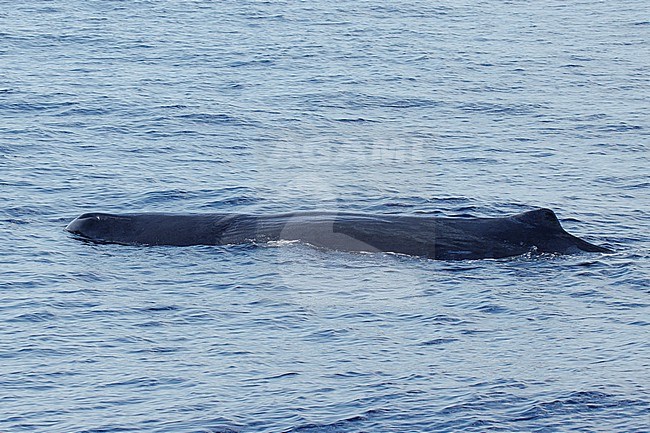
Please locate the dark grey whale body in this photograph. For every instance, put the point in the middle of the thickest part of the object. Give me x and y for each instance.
(441, 238)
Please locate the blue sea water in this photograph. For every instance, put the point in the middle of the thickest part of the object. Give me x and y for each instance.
(482, 108)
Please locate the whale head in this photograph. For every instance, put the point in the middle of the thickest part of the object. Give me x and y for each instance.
(147, 228)
(103, 227)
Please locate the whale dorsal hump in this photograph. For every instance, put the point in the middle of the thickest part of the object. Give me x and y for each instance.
(540, 218)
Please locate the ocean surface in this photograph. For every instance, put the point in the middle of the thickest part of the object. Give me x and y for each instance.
(450, 108)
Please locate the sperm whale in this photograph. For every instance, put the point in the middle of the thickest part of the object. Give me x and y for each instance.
(442, 238)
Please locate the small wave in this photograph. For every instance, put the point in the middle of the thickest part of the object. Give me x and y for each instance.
(620, 127)
(438, 341)
(354, 120)
(492, 108)
(210, 118)
(43, 316)
(341, 426)
(34, 106)
(579, 402)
